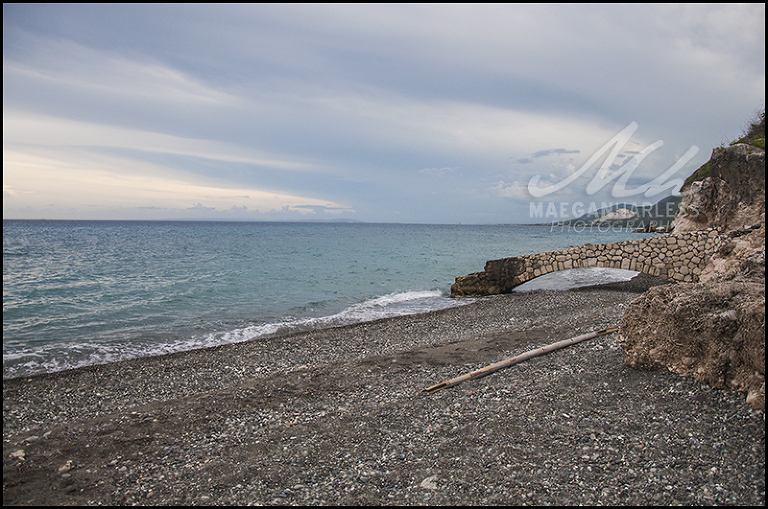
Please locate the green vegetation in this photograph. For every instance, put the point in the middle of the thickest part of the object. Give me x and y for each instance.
(700, 174)
(754, 134)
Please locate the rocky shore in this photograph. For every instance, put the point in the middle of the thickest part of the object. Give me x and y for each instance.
(339, 416)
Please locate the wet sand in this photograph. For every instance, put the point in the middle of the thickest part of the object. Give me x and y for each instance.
(339, 416)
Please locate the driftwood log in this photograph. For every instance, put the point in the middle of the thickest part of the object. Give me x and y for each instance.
(519, 358)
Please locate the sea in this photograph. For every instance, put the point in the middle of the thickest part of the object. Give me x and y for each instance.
(78, 293)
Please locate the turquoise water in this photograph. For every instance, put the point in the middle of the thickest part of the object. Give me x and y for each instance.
(86, 292)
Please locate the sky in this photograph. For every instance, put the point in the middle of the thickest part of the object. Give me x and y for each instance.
(468, 114)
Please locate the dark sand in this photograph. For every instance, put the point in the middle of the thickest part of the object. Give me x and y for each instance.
(338, 416)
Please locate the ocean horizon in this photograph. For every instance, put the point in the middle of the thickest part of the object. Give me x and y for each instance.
(83, 292)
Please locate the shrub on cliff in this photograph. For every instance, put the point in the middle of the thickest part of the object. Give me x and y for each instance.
(753, 135)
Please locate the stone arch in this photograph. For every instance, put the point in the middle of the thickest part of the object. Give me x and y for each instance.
(674, 257)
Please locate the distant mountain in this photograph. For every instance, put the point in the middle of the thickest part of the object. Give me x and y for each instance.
(628, 215)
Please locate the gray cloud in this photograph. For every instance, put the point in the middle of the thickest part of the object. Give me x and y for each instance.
(558, 151)
(439, 172)
(339, 105)
(544, 153)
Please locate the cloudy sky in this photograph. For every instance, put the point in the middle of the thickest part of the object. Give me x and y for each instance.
(405, 113)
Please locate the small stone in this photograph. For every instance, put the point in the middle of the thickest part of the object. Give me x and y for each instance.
(429, 483)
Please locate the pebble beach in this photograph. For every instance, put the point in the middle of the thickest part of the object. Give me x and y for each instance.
(340, 416)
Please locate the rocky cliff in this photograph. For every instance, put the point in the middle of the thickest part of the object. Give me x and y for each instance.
(733, 196)
(713, 330)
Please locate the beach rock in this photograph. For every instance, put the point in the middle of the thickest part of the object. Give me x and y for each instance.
(66, 467)
(713, 332)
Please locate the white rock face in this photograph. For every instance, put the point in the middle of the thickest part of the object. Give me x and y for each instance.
(623, 213)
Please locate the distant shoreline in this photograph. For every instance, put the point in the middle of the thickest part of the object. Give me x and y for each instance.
(235, 221)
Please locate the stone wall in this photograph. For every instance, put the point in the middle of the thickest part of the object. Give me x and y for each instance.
(679, 257)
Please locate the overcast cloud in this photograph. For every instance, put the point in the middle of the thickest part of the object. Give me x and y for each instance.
(404, 113)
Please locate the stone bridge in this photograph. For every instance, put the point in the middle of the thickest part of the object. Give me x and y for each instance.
(677, 257)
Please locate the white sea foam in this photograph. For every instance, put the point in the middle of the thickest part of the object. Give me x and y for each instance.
(385, 306)
(59, 357)
(393, 304)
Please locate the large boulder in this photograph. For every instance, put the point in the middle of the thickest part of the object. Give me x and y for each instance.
(714, 332)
